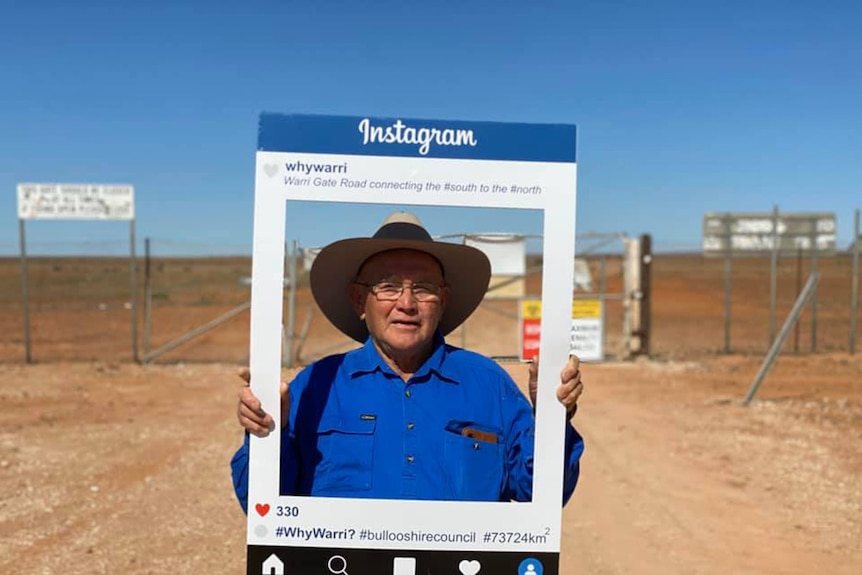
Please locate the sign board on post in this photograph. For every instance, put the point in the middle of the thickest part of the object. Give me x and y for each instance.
(758, 234)
(754, 234)
(507, 254)
(75, 202)
(587, 329)
(531, 328)
(408, 163)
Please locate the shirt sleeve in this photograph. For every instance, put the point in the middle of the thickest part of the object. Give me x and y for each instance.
(520, 449)
(574, 448)
(239, 474)
(289, 460)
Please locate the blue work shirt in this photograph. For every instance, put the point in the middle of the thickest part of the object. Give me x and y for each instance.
(459, 429)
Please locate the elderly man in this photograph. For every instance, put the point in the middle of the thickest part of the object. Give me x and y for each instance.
(405, 416)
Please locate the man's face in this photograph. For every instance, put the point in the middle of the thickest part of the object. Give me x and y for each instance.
(404, 326)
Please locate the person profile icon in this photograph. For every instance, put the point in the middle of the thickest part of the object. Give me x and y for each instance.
(530, 566)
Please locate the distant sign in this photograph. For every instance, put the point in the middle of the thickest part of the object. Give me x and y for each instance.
(587, 329)
(583, 277)
(76, 202)
(751, 234)
(531, 327)
(506, 252)
(587, 332)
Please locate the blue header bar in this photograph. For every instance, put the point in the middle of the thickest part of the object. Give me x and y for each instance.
(415, 138)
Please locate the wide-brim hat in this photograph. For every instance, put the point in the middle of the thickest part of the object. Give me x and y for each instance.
(465, 269)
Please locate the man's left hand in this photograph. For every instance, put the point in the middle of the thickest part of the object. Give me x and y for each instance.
(570, 387)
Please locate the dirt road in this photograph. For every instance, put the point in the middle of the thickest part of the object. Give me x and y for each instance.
(124, 469)
(680, 478)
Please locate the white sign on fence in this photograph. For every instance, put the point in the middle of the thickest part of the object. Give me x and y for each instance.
(587, 334)
(588, 329)
(737, 234)
(76, 202)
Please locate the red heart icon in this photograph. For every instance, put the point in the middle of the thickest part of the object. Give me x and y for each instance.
(262, 508)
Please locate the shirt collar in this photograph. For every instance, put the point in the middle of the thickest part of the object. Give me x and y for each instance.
(368, 360)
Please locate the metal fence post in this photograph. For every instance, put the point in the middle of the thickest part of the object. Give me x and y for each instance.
(28, 356)
(810, 286)
(134, 284)
(798, 291)
(727, 285)
(148, 298)
(814, 303)
(646, 295)
(773, 273)
(603, 288)
(854, 289)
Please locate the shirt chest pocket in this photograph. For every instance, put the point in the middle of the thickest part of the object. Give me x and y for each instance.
(345, 449)
(473, 457)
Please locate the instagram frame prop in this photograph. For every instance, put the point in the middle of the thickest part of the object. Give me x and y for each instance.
(409, 162)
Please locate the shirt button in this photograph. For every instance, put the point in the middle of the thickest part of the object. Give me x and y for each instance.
(410, 425)
(410, 459)
(407, 393)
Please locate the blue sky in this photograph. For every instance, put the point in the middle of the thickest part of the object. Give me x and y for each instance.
(682, 107)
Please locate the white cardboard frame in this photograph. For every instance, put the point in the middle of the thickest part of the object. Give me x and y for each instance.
(343, 518)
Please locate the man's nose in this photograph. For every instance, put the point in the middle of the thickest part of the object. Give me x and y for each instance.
(407, 299)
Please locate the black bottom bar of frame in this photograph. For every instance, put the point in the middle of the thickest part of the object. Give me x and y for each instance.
(272, 560)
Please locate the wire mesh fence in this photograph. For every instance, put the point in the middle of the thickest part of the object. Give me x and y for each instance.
(690, 294)
(80, 308)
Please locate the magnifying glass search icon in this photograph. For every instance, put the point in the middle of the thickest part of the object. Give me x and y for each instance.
(337, 565)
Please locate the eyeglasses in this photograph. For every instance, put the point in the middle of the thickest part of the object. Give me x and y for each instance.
(391, 291)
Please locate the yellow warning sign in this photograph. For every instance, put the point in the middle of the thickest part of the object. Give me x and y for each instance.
(531, 309)
(586, 308)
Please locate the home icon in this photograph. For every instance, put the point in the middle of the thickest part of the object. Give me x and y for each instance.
(272, 566)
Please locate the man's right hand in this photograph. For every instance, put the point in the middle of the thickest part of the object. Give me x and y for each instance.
(249, 412)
